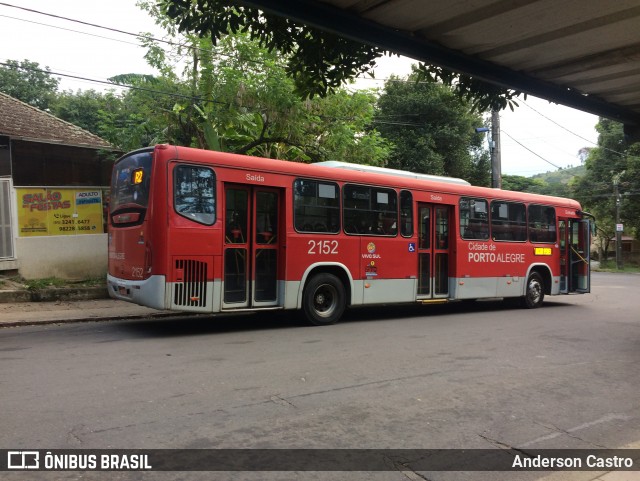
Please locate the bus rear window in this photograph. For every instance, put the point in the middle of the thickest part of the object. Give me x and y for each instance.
(130, 181)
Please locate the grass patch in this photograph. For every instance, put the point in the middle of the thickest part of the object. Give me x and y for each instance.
(611, 266)
(37, 284)
(50, 282)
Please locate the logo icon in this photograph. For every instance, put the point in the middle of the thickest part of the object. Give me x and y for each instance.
(412, 246)
(23, 460)
(371, 248)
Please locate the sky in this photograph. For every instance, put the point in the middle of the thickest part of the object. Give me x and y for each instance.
(537, 137)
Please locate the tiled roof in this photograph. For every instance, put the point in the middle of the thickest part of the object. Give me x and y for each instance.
(22, 121)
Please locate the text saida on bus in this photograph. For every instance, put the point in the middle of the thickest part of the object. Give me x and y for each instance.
(195, 230)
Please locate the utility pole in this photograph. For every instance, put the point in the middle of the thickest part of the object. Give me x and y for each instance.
(616, 194)
(496, 167)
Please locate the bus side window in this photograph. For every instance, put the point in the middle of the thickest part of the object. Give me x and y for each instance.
(194, 193)
(370, 210)
(406, 213)
(316, 206)
(542, 223)
(474, 223)
(237, 201)
(563, 233)
(508, 221)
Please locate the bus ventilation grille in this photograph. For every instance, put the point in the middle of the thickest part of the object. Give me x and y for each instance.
(192, 291)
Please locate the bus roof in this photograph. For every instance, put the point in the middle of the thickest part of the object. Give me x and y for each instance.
(384, 170)
(361, 174)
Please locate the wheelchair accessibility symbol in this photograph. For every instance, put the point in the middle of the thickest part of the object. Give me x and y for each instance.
(412, 246)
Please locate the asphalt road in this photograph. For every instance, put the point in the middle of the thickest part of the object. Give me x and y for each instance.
(477, 375)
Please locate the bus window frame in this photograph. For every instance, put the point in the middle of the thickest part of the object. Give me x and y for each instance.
(487, 222)
(532, 229)
(378, 189)
(408, 216)
(509, 223)
(339, 208)
(214, 196)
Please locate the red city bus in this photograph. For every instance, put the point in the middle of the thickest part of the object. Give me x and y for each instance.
(204, 231)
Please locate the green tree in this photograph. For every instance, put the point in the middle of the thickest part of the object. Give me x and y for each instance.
(27, 82)
(83, 108)
(523, 184)
(612, 160)
(146, 113)
(313, 73)
(432, 130)
(240, 99)
(318, 61)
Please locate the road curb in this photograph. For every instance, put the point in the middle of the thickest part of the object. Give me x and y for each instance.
(37, 322)
(54, 294)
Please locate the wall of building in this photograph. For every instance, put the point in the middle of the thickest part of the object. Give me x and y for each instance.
(65, 257)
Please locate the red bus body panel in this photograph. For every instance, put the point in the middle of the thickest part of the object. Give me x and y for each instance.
(167, 248)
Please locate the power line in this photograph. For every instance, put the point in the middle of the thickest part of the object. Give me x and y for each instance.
(195, 98)
(60, 17)
(558, 124)
(571, 132)
(69, 29)
(174, 44)
(527, 148)
(112, 84)
(124, 32)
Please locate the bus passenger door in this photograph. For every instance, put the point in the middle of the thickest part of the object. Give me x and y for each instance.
(433, 251)
(575, 242)
(251, 247)
(236, 246)
(265, 246)
(579, 247)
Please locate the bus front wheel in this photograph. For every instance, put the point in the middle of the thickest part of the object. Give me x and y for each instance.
(323, 300)
(534, 294)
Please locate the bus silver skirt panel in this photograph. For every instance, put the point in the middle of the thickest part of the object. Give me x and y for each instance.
(363, 292)
(491, 287)
(149, 292)
(156, 293)
(388, 291)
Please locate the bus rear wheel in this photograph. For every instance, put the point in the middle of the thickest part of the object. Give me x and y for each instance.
(323, 300)
(534, 293)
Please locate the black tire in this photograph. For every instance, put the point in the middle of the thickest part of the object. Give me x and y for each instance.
(534, 292)
(323, 300)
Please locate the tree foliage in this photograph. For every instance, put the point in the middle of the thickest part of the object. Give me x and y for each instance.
(613, 160)
(432, 130)
(240, 99)
(520, 183)
(481, 96)
(27, 82)
(318, 61)
(235, 96)
(236, 93)
(85, 108)
(557, 183)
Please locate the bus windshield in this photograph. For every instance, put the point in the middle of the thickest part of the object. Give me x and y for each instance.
(130, 181)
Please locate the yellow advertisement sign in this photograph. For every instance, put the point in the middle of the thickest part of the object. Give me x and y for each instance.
(46, 212)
